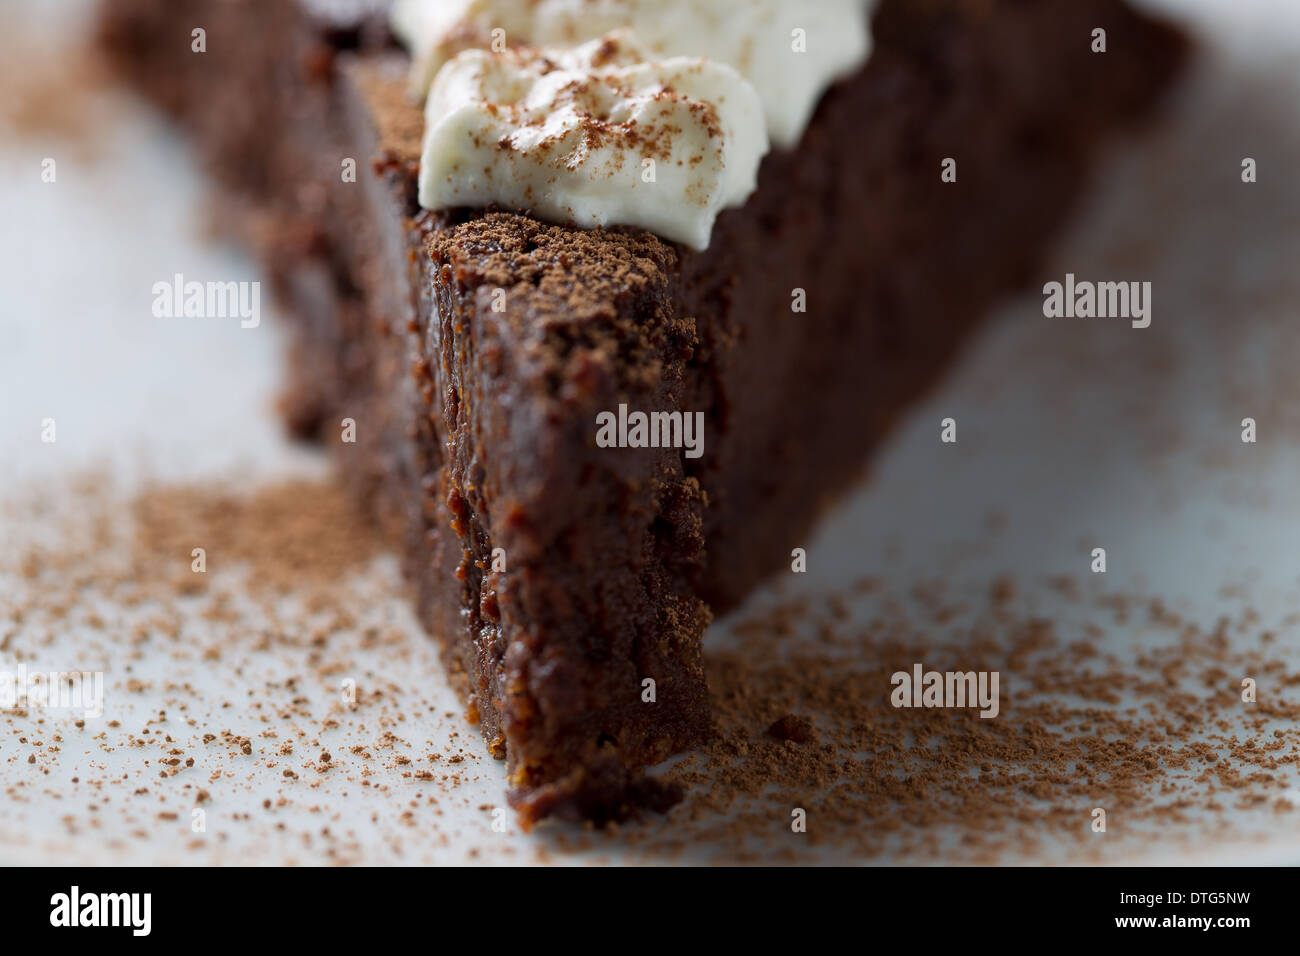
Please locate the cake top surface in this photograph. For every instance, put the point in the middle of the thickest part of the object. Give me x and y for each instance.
(585, 271)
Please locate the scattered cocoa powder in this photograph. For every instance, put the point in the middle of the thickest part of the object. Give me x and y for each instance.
(1157, 737)
(287, 596)
(1161, 740)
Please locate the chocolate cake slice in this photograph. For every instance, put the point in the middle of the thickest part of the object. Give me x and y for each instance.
(476, 351)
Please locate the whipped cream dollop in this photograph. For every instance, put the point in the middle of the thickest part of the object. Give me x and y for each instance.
(790, 50)
(652, 113)
(597, 136)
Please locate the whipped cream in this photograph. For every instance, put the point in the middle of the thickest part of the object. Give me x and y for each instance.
(790, 50)
(650, 113)
(596, 135)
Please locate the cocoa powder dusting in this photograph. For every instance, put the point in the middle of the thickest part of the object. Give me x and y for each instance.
(1160, 740)
(259, 665)
(810, 762)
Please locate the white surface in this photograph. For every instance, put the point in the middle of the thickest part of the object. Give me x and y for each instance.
(1075, 433)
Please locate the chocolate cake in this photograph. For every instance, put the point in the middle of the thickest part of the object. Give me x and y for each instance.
(475, 349)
